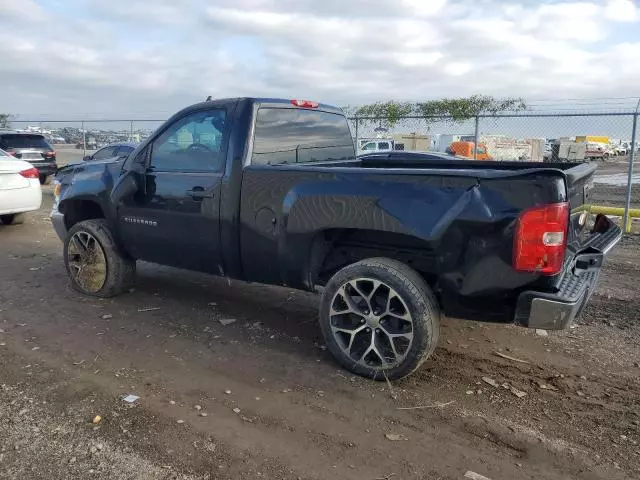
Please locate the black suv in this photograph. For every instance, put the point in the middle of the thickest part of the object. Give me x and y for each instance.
(33, 148)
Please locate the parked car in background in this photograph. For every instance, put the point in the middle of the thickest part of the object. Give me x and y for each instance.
(20, 190)
(621, 149)
(376, 145)
(597, 151)
(465, 149)
(112, 151)
(91, 144)
(33, 148)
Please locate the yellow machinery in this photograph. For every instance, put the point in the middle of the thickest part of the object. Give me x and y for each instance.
(617, 211)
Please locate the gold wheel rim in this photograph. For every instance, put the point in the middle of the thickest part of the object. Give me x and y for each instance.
(87, 262)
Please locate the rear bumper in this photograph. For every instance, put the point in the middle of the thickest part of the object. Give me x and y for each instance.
(20, 200)
(556, 311)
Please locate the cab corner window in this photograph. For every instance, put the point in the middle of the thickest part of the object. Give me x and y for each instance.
(192, 143)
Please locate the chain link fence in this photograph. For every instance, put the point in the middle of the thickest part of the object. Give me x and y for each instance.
(519, 136)
(611, 138)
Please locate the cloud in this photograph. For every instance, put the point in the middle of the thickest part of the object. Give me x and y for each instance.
(121, 56)
(27, 10)
(622, 11)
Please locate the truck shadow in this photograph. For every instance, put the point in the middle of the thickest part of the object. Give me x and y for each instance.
(265, 310)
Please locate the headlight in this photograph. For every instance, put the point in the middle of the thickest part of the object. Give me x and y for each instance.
(57, 189)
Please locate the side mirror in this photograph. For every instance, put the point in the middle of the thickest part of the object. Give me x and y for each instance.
(125, 187)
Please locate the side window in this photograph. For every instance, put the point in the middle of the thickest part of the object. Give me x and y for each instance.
(106, 152)
(192, 143)
(383, 145)
(369, 146)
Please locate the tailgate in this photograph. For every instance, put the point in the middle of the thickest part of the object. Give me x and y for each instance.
(580, 184)
(588, 234)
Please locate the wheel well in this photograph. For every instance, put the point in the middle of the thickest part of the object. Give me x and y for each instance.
(79, 210)
(334, 249)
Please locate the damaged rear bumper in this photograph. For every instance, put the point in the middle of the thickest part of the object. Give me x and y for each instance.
(556, 311)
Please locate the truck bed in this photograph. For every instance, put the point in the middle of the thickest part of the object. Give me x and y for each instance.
(437, 163)
(450, 217)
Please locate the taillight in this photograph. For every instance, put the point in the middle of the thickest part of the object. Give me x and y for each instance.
(50, 154)
(541, 239)
(30, 173)
(304, 103)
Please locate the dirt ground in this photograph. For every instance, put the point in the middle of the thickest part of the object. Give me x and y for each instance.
(616, 171)
(261, 398)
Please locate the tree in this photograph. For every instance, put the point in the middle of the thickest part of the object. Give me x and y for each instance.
(461, 109)
(387, 113)
(5, 121)
(454, 109)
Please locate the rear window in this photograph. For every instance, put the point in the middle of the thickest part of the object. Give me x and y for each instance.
(23, 141)
(291, 135)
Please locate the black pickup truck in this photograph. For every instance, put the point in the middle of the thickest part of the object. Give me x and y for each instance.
(270, 191)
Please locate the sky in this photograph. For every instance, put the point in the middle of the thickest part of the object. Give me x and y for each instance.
(147, 59)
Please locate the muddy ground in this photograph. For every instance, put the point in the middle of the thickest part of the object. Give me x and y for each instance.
(273, 404)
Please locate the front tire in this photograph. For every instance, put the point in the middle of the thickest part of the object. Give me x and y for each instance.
(13, 219)
(379, 319)
(94, 262)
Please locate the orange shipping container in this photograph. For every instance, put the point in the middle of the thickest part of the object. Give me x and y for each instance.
(465, 149)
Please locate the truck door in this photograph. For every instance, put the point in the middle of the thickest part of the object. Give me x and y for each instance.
(175, 220)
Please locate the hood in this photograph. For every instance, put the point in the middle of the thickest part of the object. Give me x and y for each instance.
(84, 170)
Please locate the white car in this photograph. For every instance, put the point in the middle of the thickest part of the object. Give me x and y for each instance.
(621, 149)
(20, 189)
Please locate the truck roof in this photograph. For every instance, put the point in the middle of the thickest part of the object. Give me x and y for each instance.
(263, 101)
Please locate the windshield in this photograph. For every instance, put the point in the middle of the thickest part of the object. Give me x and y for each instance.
(23, 141)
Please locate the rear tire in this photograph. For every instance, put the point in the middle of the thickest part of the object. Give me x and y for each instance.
(94, 262)
(44, 179)
(13, 219)
(379, 319)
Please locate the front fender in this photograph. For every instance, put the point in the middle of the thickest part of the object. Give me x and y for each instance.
(87, 182)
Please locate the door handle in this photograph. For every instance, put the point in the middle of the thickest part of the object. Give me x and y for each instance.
(198, 193)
